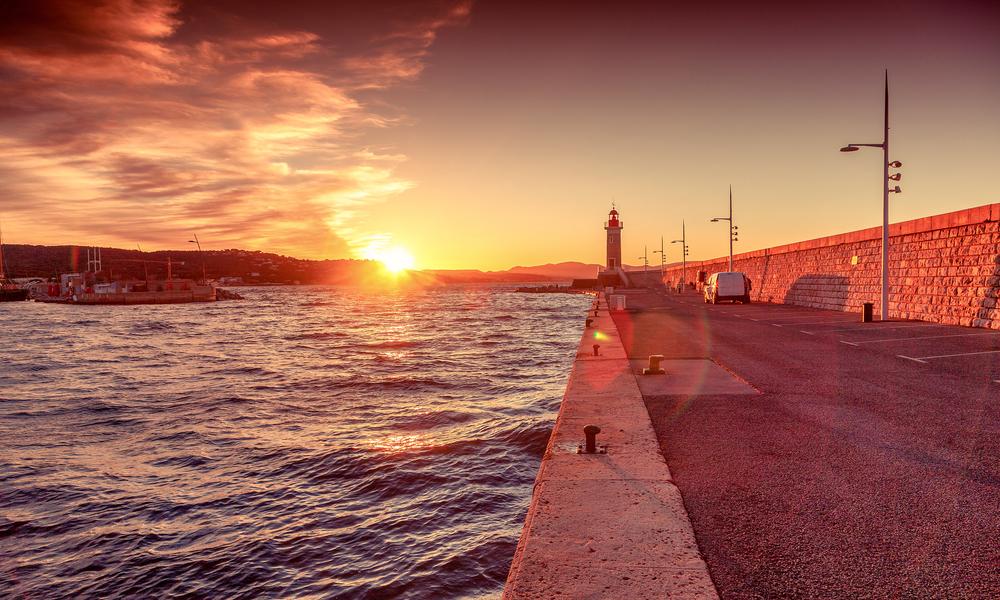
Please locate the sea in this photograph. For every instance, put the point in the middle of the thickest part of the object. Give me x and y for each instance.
(306, 442)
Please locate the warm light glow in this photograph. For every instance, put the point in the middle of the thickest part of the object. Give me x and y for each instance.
(394, 258)
(397, 259)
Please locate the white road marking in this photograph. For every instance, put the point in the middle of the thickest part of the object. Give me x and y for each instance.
(849, 343)
(813, 316)
(926, 358)
(923, 337)
(769, 317)
(814, 323)
(870, 328)
(913, 359)
(808, 333)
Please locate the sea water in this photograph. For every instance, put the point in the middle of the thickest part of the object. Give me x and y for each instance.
(305, 442)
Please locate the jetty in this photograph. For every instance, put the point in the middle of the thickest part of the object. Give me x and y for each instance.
(786, 447)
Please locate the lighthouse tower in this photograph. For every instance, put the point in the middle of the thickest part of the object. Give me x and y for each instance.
(614, 229)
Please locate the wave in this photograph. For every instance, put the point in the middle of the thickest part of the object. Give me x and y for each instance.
(392, 345)
(153, 326)
(319, 335)
(435, 419)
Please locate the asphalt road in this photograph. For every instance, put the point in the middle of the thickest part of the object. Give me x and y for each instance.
(868, 466)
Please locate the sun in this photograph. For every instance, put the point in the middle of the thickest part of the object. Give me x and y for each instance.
(396, 259)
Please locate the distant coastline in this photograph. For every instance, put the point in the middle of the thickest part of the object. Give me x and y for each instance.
(251, 267)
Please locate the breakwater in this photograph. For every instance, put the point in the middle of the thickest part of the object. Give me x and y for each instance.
(608, 523)
(944, 269)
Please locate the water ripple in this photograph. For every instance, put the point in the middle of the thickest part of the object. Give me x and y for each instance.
(308, 442)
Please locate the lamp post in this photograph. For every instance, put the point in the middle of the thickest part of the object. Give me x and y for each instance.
(684, 254)
(204, 278)
(886, 178)
(733, 229)
(645, 259)
(662, 261)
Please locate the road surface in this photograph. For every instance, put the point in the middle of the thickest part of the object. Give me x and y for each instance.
(865, 464)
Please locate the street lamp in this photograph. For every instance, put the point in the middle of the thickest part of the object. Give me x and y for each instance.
(645, 259)
(886, 178)
(733, 229)
(204, 278)
(684, 254)
(662, 261)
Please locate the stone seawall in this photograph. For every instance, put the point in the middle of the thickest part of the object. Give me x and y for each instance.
(944, 269)
(609, 524)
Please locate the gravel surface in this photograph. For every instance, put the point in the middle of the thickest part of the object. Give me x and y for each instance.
(854, 473)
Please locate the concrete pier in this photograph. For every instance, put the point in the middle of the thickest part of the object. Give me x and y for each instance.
(610, 524)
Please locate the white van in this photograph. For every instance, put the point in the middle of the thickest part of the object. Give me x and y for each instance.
(728, 285)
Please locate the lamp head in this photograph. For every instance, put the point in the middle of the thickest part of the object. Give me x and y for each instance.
(849, 148)
(714, 221)
(896, 176)
(895, 164)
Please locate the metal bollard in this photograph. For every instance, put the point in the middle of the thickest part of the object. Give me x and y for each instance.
(596, 348)
(866, 312)
(590, 432)
(654, 365)
(589, 321)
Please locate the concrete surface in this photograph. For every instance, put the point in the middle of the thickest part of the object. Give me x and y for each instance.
(606, 525)
(855, 472)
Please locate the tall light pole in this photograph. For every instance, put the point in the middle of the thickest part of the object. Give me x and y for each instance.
(662, 261)
(645, 259)
(886, 178)
(204, 278)
(684, 254)
(732, 228)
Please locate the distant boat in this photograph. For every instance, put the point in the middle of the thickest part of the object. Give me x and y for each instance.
(9, 291)
(91, 287)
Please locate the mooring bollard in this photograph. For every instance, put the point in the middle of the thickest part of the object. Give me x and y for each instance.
(866, 312)
(596, 348)
(590, 432)
(654, 365)
(589, 321)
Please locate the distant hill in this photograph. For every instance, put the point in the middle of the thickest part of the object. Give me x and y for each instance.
(21, 260)
(255, 267)
(563, 270)
(475, 276)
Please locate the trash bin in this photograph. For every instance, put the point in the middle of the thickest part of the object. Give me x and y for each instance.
(866, 312)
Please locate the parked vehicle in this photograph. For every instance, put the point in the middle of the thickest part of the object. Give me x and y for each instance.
(728, 285)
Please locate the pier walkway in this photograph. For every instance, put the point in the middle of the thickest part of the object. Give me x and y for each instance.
(863, 462)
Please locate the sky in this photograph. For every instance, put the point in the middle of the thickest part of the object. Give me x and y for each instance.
(485, 134)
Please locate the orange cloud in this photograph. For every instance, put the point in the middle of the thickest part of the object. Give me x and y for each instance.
(116, 127)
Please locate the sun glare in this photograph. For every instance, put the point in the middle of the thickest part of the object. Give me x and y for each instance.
(396, 259)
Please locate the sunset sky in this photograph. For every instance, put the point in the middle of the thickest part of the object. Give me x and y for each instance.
(485, 134)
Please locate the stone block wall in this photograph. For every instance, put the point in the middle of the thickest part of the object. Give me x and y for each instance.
(944, 269)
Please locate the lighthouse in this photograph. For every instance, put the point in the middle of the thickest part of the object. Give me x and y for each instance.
(613, 274)
(614, 229)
